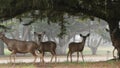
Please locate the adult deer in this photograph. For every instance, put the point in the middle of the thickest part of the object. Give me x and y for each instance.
(77, 47)
(113, 41)
(48, 46)
(116, 40)
(18, 46)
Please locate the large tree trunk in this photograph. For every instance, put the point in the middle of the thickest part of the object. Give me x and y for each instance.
(94, 44)
(94, 50)
(61, 49)
(26, 31)
(114, 24)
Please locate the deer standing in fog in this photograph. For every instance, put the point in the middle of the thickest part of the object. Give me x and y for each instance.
(17, 46)
(48, 46)
(77, 47)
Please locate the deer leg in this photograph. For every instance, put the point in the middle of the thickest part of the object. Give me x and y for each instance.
(35, 57)
(52, 57)
(11, 58)
(53, 54)
(42, 58)
(77, 56)
(71, 56)
(12, 54)
(82, 56)
(114, 54)
(68, 56)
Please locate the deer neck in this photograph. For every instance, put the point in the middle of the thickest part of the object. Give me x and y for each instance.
(5, 40)
(112, 38)
(40, 42)
(83, 42)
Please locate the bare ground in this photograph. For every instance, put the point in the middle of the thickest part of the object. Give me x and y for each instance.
(29, 59)
(100, 64)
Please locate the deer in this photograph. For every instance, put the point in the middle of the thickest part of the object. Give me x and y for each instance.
(18, 46)
(77, 47)
(116, 40)
(114, 53)
(47, 46)
(113, 41)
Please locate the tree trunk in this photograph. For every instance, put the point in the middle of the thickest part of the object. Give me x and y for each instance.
(94, 44)
(62, 46)
(61, 50)
(94, 50)
(26, 32)
(1, 48)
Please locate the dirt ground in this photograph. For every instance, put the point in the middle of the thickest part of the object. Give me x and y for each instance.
(103, 64)
(100, 64)
(29, 59)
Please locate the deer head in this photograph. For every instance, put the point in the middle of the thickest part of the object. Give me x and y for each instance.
(116, 33)
(39, 35)
(84, 37)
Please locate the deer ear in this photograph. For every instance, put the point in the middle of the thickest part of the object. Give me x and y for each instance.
(43, 32)
(107, 30)
(81, 35)
(88, 34)
(35, 33)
